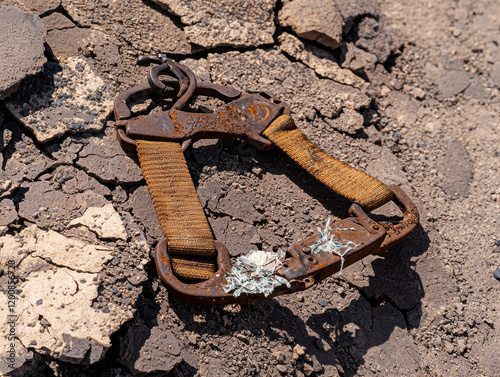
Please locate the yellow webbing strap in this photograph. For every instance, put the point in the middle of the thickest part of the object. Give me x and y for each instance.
(347, 181)
(182, 219)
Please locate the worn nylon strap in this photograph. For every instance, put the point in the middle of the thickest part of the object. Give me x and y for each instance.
(350, 182)
(182, 219)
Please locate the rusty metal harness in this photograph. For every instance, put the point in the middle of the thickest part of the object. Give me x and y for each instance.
(189, 261)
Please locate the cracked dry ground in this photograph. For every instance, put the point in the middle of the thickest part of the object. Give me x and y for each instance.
(407, 91)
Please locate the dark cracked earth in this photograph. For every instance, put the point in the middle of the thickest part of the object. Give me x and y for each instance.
(406, 91)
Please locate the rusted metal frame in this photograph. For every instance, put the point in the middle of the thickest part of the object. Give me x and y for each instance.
(245, 117)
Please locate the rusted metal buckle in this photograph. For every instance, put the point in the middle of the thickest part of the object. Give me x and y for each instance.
(244, 115)
(302, 267)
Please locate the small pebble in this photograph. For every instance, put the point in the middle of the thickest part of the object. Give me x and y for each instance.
(322, 302)
(257, 171)
(192, 338)
(448, 347)
(496, 274)
(281, 368)
(396, 84)
(39, 302)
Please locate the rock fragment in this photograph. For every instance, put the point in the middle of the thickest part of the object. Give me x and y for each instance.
(349, 121)
(57, 21)
(63, 251)
(66, 152)
(461, 346)
(495, 75)
(73, 41)
(23, 160)
(375, 39)
(26, 361)
(144, 212)
(496, 274)
(54, 310)
(240, 206)
(7, 133)
(450, 80)
(158, 31)
(316, 20)
(337, 95)
(322, 61)
(453, 83)
(67, 42)
(147, 350)
(448, 347)
(209, 194)
(104, 158)
(37, 6)
(66, 98)
(5, 137)
(21, 48)
(456, 169)
(225, 23)
(104, 221)
(75, 181)
(8, 212)
(48, 207)
(356, 59)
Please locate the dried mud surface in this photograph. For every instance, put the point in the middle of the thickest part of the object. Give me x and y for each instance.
(408, 92)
